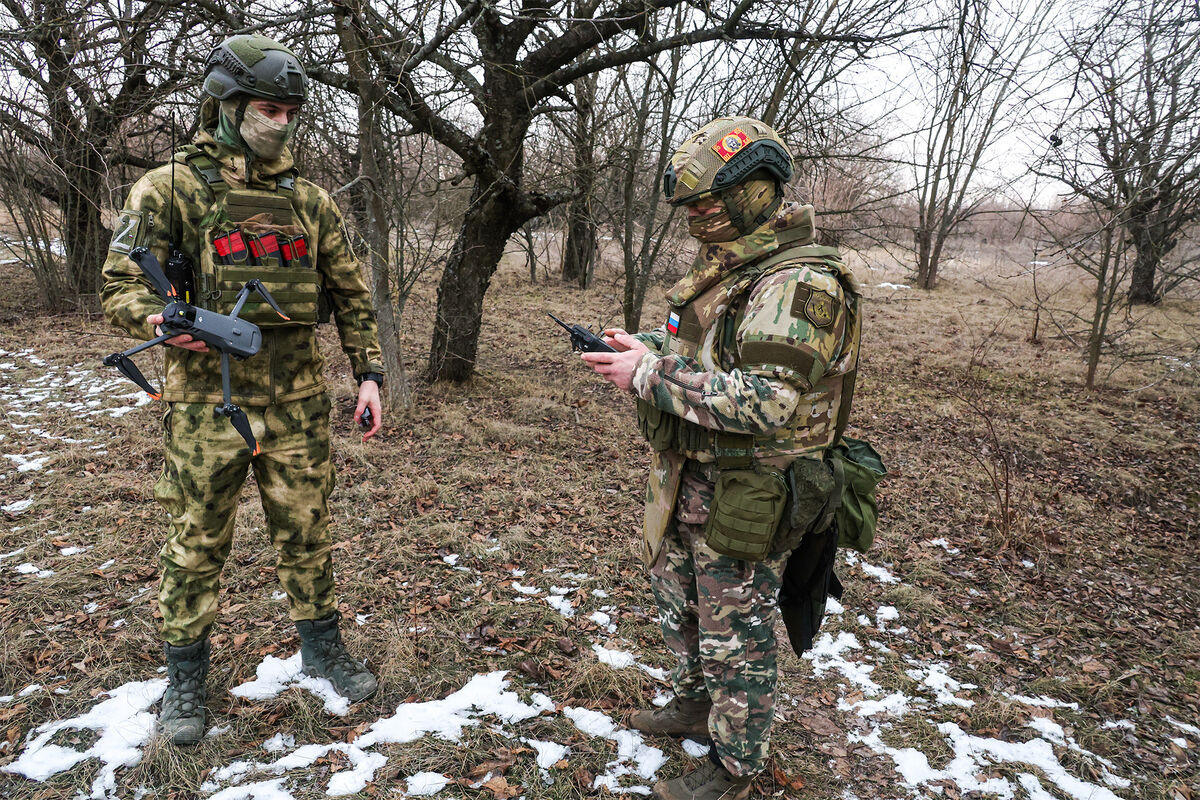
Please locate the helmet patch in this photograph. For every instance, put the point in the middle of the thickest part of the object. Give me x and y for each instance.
(729, 144)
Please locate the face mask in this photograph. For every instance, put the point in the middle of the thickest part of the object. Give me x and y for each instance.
(264, 137)
(715, 226)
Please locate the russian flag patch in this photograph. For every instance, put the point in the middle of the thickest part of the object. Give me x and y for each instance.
(673, 323)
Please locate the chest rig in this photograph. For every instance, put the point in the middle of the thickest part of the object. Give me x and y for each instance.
(705, 329)
(254, 233)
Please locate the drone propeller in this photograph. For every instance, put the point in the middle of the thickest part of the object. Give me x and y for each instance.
(256, 285)
(241, 423)
(151, 269)
(127, 368)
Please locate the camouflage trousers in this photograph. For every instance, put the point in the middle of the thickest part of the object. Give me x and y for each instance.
(718, 615)
(206, 465)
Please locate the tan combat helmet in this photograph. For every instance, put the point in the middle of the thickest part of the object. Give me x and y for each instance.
(721, 155)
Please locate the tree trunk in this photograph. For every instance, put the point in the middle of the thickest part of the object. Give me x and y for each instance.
(926, 263)
(579, 252)
(489, 222)
(1142, 287)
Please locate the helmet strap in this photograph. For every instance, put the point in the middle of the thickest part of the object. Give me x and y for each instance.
(734, 210)
(738, 218)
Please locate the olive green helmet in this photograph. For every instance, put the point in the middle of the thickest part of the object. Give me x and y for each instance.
(723, 154)
(257, 66)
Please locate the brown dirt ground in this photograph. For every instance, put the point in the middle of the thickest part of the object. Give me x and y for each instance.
(1086, 592)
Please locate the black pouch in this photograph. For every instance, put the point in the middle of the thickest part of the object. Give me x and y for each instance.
(747, 508)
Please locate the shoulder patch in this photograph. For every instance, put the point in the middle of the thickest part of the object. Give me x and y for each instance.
(815, 305)
(129, 231)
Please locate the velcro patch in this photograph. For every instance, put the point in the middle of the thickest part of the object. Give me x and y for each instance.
(129, 231)
(815, 305)
(729, 144)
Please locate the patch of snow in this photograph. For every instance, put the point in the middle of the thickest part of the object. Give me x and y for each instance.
(599, 593)
(275, 675)
(695, 749)
(72, 551)
(935, 677)
(30, 569)
(530, 590)
(944, 544)
(263, 790)
(12, 553)
(1043, 702)
(216, 731)
(827, 654)
(451, 559)
(634, 756)
(548, 753)
(884, 615)
(886, 285)
(483, 695)
(833, 606)
(1183, 726)
(895, 704)
(1181, 743)
(124, 724)
(425, 783)
(561, 604)
(17, 506)
(279, 742)
(617, 659)
(880, 574)
(30, 462)
(1120, 724)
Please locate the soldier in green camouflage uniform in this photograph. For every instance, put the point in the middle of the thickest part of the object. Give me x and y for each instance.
(750, 380)
(238, 176)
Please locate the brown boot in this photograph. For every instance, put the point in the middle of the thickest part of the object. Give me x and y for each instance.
(708, 781)
(680, 717)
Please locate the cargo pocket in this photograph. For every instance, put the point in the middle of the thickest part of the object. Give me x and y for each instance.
(656, 425)
(748, 506)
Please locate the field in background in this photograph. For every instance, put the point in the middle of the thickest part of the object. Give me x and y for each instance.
(1067, 617)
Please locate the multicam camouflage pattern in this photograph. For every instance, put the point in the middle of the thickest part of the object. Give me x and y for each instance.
(750, 199)
(206, 464)
(723, 154)
(289, 365)
(717, 617)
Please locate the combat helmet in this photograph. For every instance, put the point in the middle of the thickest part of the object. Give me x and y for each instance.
(723, 154)
(257, 66)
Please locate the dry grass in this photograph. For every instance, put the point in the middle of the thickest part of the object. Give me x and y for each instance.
(533, 465)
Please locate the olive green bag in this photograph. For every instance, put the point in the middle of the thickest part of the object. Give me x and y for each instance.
(862, 470)
(747, 507)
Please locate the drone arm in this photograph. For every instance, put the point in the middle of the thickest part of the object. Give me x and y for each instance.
(148, 263)
(126, 367)
(257, 286)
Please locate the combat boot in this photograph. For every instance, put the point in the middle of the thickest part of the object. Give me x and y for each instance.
(182, 716)
(323, 656)
(709, 781)
(680, 717)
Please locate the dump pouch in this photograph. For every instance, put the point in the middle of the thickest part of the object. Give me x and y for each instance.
(862, 468)
(658, 426)
(747, 508)
(812, 500)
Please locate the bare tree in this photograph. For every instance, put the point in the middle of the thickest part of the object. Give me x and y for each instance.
(1136, 75)
(79, 76)
(980, 60)
(476, 81)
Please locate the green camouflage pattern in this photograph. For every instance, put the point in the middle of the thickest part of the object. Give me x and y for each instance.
(750, 199)
(289, 366)
(717, 616)
(206, 465)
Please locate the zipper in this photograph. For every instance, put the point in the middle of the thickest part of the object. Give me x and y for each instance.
(687, 388)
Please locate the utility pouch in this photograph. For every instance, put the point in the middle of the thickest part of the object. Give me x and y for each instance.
(658, 426)
(747, 508)
(812, 501)
(858, 513)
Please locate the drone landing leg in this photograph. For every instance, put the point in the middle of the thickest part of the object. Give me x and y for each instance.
(237, 417)
(126, 367)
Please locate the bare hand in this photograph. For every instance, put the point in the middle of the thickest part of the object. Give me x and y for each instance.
(617, 368)
(368, 397)
(183, 340)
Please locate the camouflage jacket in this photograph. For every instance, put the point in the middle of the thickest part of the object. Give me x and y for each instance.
(761, 340)
(753, 370)
(289, 365)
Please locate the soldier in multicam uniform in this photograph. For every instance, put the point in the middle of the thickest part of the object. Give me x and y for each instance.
(740, 394)
(234, 186)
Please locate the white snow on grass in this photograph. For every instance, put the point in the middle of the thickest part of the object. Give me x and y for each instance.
(425, 783)
(484, 695)
(894, 286)
(72, 551)
(880, 574)
(828, 654)
(123, 723)
(561, 604)
(944, 544)
(32, 462)
(17, 506)
(617, 659)
(548, 753)
(1043, 702)
(695, 749)
(634, 756)
(12, 553)
(935, 678)
(31, 569)
(527, 590)
(1183, 726)
(276, 675)
(263, 790)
